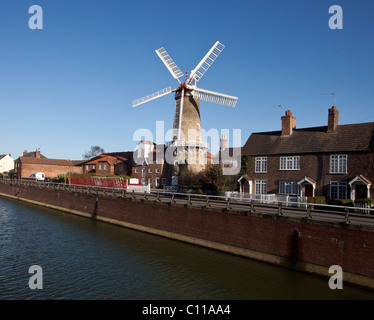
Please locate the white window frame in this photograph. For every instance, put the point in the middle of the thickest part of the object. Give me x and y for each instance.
(341, 190)
(100, 166)
(157, 181)
(157, 170)
(260, 186)
(136, 170)
(261, 165)
(289, 163)
(149, 170)
(87, 167)
(289, 187)
(149, 180)
(338, 163)
(105, 167)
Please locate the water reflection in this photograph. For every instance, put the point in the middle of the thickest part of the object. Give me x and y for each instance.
(85, 259)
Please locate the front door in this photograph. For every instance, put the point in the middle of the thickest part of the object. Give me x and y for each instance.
(308, 190)
(361, 191)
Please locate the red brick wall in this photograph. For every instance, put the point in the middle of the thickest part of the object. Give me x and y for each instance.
(317, 243)
(49, 170)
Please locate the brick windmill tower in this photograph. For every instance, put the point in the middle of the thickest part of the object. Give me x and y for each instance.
(187, 148)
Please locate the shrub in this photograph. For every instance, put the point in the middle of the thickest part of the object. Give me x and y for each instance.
(343, 202)
(317, 200)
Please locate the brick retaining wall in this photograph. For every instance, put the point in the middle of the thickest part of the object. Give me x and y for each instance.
(304, 245)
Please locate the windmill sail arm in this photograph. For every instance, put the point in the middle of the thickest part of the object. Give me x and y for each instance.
(214, 97)
(152, 96)
(169, 63)
(206, 62)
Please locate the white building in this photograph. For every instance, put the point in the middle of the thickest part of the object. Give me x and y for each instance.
(6, 163)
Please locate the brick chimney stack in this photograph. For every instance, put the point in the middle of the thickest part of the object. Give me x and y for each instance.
(223, 142)
(24, 152)
(288, 123)
(37, 153)
(333, 119)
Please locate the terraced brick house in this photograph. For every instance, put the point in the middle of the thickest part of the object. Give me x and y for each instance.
(335, 161)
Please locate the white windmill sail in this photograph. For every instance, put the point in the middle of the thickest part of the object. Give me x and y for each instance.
(169, 63)
(214, 97)
(206, 62)
(152, 96)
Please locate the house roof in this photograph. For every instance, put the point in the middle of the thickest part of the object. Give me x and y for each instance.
(126, 155)
(33, 155)
(346, 138)
(59, 162)
(112, 160)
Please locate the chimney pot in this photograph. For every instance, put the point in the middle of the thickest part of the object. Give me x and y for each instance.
(37, 153)
(24, 152)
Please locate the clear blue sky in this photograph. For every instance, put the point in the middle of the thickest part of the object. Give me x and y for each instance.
(70, 85)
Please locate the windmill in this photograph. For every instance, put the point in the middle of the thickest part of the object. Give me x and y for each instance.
(187, 122)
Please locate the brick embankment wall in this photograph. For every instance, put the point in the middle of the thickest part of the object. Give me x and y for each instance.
(309, 246)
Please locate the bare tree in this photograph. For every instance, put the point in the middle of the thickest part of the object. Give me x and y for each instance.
(94, 151)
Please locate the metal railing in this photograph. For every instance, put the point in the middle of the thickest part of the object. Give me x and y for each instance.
(234, 205)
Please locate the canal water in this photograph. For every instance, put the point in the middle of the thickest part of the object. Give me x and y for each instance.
(85, 259)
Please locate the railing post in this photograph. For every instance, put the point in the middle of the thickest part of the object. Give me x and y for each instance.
(347, 221)
(280, 209)
(189, 203)
(133, 194)
(309, 212)
(207, 204)
(172, 199)
(228, 204)
(158, 197)
(252, 206)
(145, 195)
